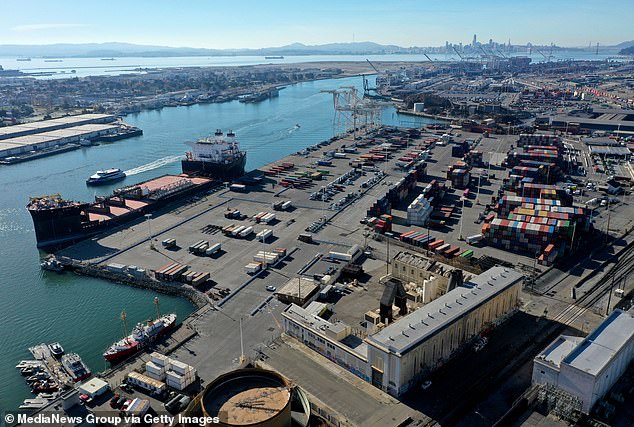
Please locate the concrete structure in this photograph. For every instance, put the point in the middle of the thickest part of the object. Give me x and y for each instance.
(249, 397)
(414, 268)
(588, 368)
(399, 355)
(297, 290)
(94, 387)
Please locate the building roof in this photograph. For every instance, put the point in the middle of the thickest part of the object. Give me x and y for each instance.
(597, 350)
(559, 349)
(292, 287)
(404, 334)
(609, 150)
(93, 386)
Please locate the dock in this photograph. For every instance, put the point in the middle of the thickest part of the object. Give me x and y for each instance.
(53, 366)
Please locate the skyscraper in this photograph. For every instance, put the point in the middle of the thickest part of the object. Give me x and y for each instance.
(475, 41)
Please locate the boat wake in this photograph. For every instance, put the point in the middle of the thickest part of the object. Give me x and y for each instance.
(153, 165)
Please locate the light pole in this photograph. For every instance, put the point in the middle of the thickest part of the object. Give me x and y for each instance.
(149, 227)
(461, 218)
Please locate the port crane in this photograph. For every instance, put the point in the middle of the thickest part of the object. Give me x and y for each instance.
(427, 56)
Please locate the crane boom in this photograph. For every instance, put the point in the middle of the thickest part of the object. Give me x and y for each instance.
(372, 65)
(458, 53)
(427, 56)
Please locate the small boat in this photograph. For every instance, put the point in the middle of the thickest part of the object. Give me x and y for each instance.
(75, 367)
(52, 265)
(56, 350)
(31, 370)
(297, 125)
(87, 143)
(23, 59)
(106, 176)
(48, 386)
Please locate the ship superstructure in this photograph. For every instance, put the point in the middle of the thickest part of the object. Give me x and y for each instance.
(218, 156)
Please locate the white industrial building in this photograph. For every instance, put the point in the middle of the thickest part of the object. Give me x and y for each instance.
(398, 356)
(587, 368)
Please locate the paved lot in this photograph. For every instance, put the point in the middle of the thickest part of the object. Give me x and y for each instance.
(351, 398)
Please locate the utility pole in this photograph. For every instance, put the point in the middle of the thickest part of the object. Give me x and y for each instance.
(242, 358)
(387, 258)
(607, 309)
(149, 227)
(461, 219)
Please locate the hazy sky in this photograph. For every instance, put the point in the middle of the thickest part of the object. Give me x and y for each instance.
(253, 24)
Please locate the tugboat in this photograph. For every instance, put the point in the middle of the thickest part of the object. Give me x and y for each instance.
(56, 349)
(106, 176)
(142, 335)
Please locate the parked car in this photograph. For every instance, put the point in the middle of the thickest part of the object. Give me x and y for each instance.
(271, 288)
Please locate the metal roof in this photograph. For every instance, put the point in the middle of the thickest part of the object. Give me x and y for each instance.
(411, 330)
(559, 349)
(597, 350)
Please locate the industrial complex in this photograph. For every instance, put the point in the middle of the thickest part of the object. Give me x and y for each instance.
(470, 271)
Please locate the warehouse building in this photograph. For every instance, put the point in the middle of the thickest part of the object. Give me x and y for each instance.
(587, 368)
(54, 124)
(400, 354)
(38, 141)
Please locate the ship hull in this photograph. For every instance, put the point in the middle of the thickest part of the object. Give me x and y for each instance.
(57, 228)
(226, 171)
(114, 358)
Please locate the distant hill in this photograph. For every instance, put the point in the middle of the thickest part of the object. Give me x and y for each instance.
(627, 51)
(96, 50)
(114, 49)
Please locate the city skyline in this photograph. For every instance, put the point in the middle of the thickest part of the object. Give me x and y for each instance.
(281, 22)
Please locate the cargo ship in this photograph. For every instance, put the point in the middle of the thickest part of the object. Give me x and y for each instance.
(218, 157)
(142, 335)
(75, 367)
(59, 222)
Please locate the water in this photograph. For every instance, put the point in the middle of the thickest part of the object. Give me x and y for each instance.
(82, 313)
(95, 66)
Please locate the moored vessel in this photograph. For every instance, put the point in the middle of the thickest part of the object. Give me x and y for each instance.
(75, 367)
(217, 157)
(143, 335)
(56, 350)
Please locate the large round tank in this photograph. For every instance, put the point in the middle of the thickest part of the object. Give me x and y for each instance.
(249, 397)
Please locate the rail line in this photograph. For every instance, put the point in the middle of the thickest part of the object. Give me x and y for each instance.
(623, 266)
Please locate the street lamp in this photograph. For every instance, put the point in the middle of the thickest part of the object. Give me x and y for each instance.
(149, 227)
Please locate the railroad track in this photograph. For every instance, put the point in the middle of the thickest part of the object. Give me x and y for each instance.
(623, 266)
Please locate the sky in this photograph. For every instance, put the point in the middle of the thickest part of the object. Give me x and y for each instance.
(254, 24)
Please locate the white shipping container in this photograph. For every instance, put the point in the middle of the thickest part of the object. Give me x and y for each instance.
(154, 368)
(268, 218)
(264, 234)
(159, 359)
(213, 249)
(253, 267)
(246, 232)
(156, 376)
(178, 367)
(238, 230)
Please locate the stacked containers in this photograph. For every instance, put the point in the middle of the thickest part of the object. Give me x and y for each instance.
(179, 375)
(419, 211)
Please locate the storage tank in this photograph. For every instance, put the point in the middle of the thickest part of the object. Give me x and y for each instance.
(239, 396)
